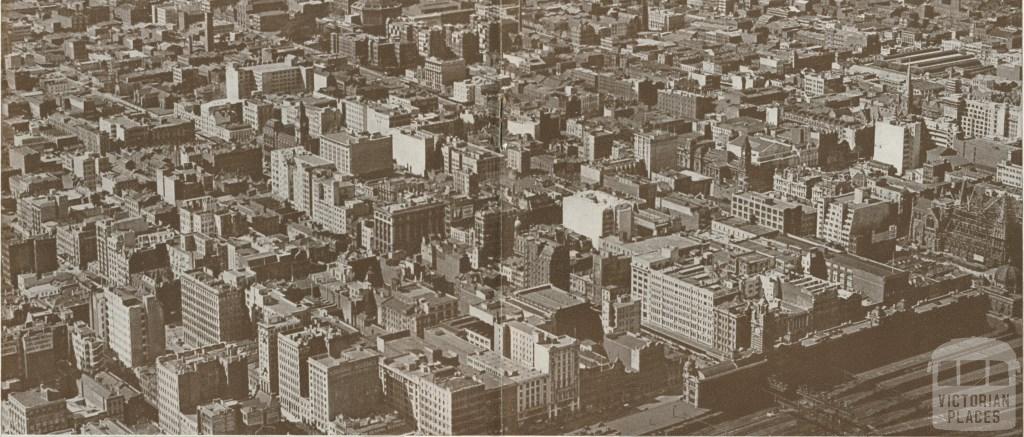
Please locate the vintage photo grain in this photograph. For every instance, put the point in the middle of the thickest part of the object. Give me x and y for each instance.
(511, 217)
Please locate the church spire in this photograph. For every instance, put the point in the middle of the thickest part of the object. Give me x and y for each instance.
(302, 128)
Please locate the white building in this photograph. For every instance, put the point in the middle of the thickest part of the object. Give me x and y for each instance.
(676, 297)
(1009, 171)
(135, 326)
(412, 149)
(357, 155)
(555, 356)
(596, 214)
(280, 173)
(984, 119)
(277, 78)
(898, 143)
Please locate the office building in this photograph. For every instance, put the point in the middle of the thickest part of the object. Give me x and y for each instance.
(26, 255)
(994, 120)
(128, 246)
(276, 78)
(135, 326)
(685, 104)
(91, 353)
(556, 356)
(403, 226)
(858, 224)
(899, 144)
(415, 150)
(187, 380)
(414, 308)
(294, 348)
(455, 404)
(597, 214)
(438, 74)
(471, 159)
(543, 261)
(678, 297)
(494, 233)
(656, 150)
(345, 383)
(212, 311)
(357, 154)
(37, 411)
(780, 215)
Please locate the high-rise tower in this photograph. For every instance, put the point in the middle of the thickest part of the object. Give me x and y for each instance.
(208, 31)
(908, 96)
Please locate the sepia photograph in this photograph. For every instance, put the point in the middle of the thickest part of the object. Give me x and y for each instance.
(511, 217)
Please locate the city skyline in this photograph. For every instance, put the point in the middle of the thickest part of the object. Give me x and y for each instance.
(511, 217)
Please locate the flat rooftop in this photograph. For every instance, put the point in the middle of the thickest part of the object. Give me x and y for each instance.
(546, 298)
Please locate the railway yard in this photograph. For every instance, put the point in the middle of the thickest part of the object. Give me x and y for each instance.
(893, 399)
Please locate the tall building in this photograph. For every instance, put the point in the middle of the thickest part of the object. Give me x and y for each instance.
(494, 233)
(685, 104)
(280, 170)
(725, 6)
(305, 170)
(657, 150)
(293, 352)
(357, 154)
(473, 159)
(28, 255)
(456, 404)
(899, 144)
(187, 380)
(415, 149)
(987, 119)
(545, 261)
(1010, 172)
(619, 312)
(31, 351)
(276, 78)
(767, 211)
(267, 337)
(76, 243)
(403, 226)
(212, 311)
(34, 211)
(91, 353)
(531, 385)
(438, 74)
(677, 297)
(135, 326)
(208, 43)
(335, 204)
(858, 224)
(130, 245)
(557, 356)
(345, 383)
(597, 214)
(907, 106)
